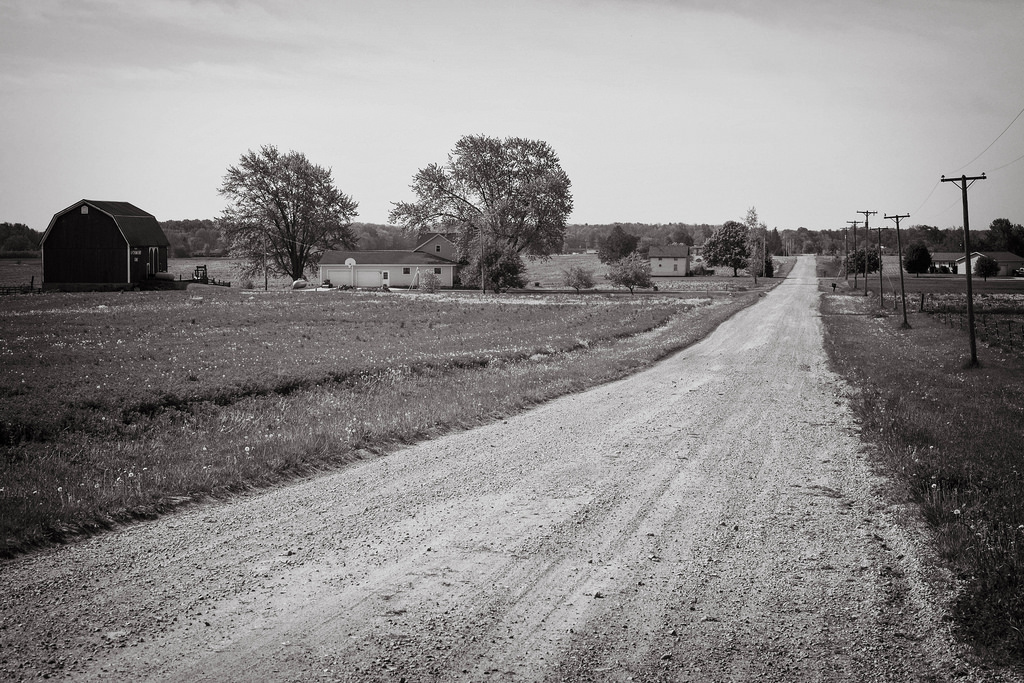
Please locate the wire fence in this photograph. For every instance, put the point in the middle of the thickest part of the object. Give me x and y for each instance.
(1001, 327)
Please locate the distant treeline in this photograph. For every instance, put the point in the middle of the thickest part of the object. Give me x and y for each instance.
(204, 237)
(18, 237)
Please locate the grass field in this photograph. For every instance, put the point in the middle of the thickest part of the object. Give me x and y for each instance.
(123, 405)
(916, 284)
(950, 438)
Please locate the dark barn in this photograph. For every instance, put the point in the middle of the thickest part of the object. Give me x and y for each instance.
(111, 244)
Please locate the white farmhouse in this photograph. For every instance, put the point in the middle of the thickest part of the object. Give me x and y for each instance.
(670, 261)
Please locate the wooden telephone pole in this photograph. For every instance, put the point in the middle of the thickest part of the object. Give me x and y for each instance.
(854, 224)
(899, 252)
(867, 233)
(963, 182)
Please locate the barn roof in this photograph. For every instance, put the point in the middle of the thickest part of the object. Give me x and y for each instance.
(392, 257)
(140, 228)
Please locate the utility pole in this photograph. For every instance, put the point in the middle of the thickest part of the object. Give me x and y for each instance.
(854, 224)
(867, 233)
(846, 254)
(881, 296)
(963, 182)
(899, 251)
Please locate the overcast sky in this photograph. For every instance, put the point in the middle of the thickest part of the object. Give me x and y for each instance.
(660, 110)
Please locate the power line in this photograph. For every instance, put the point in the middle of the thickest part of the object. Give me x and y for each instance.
(993, 142)
(1009, 164)
(929, 196)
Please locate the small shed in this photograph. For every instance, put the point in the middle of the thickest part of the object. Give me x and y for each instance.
(99, 243)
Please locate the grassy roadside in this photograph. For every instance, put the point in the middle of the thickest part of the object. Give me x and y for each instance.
(93, 476)
(952, 441)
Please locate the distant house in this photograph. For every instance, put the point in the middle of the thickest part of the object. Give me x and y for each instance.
(947, 259)
(1008, 261)
(393, 267)
(99, 244)
(670, 261)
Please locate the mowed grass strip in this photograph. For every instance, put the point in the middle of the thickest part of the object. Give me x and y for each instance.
(952, 439)
(265, 388)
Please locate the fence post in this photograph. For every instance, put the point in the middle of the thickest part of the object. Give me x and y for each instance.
(922, 302)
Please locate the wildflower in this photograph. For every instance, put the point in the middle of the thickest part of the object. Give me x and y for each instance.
(956, 512)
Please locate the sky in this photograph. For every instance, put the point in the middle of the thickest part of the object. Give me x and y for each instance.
(660, 110)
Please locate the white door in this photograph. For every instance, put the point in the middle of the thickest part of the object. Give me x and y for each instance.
(368, 278)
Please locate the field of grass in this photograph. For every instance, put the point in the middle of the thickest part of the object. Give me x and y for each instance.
(950, 438)
(123, 405)
(917, 284)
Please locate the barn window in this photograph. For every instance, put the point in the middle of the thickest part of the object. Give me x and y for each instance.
(85, 209)
(437, 271)
(437, 248)
(405, 271)
(675, 266)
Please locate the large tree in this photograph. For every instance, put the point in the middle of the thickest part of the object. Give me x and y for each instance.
(727, 247)
(617, 245)
(284, 212)
(503, 268)
(917, 259)
(512, 190)
(1005, 236)
(855, 261)
(986, 267)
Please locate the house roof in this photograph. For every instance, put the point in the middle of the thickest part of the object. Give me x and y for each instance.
(946, 256)
(1000, 256)
(391, 257)
(140, 228)
(427, 237)
(671, 251)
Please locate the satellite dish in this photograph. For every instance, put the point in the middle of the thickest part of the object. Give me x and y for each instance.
(350, 261)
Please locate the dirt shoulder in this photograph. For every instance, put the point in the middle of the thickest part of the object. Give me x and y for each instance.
(712, 518)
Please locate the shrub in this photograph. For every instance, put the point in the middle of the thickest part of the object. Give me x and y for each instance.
(430, 283)
(578, 278)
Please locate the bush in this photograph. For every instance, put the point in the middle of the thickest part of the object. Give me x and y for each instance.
(578, 278)
(430, 283)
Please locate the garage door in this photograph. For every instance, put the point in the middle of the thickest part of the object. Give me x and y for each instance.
(368, 278)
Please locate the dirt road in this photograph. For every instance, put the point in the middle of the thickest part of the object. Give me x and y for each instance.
(710, 519)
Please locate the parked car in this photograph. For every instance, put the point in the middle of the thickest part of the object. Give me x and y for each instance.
(1019, 272)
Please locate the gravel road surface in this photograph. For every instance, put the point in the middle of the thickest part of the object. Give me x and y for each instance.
(711, 519)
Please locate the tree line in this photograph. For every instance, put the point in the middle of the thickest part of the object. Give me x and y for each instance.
(18, 238)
